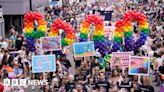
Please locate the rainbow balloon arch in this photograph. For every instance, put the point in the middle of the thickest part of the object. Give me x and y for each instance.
(124, 29)
(30, 32)
(98, 35)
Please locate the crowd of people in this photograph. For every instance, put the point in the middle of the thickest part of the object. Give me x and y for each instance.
(90, 75)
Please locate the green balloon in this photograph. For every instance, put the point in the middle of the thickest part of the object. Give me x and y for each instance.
(64, 43)
(95, 38)
(115, 39)
(83, 35)
(145, 30)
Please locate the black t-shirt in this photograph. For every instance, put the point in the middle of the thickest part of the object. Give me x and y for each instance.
(94, 65)
(19, 44)
(143, 88)
(20, 62)
(126, 85)
(108, 70)
(77, 63)
(79, 77)
(105, 84)
(93, 86)
(85, 72)
(69, 87)
(161, 69)
(56, 88)
(66, 63)
(96, 78)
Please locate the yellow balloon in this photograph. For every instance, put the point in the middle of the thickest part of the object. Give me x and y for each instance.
(146, 26)
(39, 28)
(31, 28)
(126, 29)
(29, 31)
(55, 34)
(129, 28)
(95, 33)
(44, 26)
(70, 41)
(50, 34)
(84, 31)
(96, 30)
(101, 33)
(44, 30)
(115, 34)
(119, 35)
(83, 28)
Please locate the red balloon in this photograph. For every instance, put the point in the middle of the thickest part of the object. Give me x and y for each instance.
(1, 88)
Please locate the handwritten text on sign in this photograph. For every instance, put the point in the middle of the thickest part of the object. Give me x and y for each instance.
(43, 63)
(124, 56)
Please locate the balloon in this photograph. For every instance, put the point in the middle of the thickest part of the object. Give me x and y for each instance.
(30, 34)
(98, 35)
(143, 25)
(59, 24)
(30, 44)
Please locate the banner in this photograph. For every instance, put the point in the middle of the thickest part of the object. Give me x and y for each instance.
(83, 49)
(107, 15)
(122, 58)
(139, 65)
(51, 43)
(43, 63)
(18, 71)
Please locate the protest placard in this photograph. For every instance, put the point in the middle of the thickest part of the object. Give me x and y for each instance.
(123, 57)
(83, 49)
(51, 43)
(43, 63)
(139, 65)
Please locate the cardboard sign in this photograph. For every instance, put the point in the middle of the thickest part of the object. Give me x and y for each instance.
(139, 65)
(51, 43)
(43, 63)
(123, 56)
(83, 49)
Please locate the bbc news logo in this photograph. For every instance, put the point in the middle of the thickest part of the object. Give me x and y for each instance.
(24, 82)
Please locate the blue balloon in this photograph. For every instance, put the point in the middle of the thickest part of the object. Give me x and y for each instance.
(31, 44)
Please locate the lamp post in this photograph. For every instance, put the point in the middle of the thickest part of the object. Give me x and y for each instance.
(30, 5)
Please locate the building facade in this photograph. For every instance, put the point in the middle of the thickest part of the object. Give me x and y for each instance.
(13, 11)
(2, 29)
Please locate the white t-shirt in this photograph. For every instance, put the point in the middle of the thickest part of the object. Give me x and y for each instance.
(1, 57)
(4, 44)
(149, 41)
(8, 89)
(26, 60)
(158, 62)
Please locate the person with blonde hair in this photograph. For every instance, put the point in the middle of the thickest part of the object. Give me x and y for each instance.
(55, 85)
(145, 87)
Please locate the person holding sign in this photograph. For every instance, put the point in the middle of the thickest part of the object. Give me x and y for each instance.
(65, 62)
(161, 72)
(146, 87)
(118, 64)
(125, 85)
